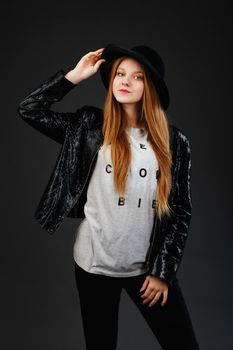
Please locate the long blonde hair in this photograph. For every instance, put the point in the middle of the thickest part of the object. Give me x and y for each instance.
(155, 122)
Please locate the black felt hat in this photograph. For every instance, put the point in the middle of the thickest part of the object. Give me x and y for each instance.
(145, 55)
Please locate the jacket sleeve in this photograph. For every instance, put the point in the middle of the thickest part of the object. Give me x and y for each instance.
(170, 254)
(35, 107)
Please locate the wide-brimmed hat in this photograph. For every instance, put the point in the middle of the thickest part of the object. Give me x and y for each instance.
(147, 56)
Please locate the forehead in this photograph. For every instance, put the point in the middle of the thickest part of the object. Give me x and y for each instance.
(130, 64)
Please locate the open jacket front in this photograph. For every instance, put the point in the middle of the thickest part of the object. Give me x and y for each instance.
(80, 136)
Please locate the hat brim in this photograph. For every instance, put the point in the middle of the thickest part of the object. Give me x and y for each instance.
(112, 52)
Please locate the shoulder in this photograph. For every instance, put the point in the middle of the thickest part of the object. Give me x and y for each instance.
(91, 109)
(178, 134)
(180, 142)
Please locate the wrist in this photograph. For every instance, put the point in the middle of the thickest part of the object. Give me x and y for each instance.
(73, 77)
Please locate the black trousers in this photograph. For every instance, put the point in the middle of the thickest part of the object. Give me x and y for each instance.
(99, 302)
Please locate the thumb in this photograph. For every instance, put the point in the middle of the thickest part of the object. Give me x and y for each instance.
(99, 62)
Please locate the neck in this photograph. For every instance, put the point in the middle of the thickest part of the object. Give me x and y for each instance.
(132, 115)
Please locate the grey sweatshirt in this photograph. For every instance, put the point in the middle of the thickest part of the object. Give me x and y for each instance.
(113, 238)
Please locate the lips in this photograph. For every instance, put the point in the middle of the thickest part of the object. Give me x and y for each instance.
(124, 90)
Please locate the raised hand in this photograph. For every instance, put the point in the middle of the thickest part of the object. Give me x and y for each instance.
(87, 66)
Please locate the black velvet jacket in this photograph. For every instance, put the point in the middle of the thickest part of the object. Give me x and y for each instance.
(80, 136)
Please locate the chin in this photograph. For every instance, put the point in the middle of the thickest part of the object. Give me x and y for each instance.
(125, 99)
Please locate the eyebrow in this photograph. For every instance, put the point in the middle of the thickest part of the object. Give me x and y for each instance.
(137, 71)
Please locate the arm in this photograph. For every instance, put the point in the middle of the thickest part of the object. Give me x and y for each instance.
(35, 107)
(169, 257)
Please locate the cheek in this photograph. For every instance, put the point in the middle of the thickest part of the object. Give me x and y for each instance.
(141, 89)
(114, 84)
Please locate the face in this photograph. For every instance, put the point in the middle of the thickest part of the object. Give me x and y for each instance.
(129, 76)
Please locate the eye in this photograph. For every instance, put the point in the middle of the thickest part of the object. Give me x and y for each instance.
(140, 77)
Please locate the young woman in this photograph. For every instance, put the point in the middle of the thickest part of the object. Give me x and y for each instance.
(125, 170)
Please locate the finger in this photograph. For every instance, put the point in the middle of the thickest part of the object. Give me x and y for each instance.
(148, 290)
(146, 293)
(97, 52)
(92, 53)
(146, 281)
(149, 297)
(165, 296)
(155, 299)
(99, 62)
(144, 284)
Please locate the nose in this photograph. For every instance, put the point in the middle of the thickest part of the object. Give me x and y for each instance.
(125, 82)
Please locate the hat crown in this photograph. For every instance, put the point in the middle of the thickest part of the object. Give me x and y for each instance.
(152, 57)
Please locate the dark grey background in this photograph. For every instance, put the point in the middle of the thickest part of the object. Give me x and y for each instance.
(40, 305)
